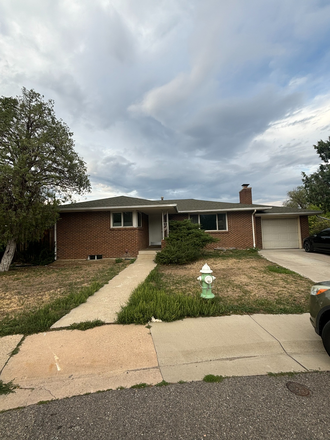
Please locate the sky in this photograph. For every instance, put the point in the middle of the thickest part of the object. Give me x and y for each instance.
(179, 98)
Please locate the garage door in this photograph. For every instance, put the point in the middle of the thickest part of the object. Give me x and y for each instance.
(280, 233)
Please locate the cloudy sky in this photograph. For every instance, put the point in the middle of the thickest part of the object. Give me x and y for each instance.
(179, 98)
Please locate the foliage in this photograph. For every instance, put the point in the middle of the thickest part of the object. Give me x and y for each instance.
(184, 244)
(39, 168)
(7, 388)
(36, 253)
(297, 198)
(211, 378)
(317, 185)
(317, 224)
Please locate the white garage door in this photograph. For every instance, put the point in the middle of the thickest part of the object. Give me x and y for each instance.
(280, 233)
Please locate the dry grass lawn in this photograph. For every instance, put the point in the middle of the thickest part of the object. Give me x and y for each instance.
(252, 278)
(28, 288)
(32, 287)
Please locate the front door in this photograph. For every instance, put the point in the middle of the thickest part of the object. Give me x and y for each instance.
(155, 229)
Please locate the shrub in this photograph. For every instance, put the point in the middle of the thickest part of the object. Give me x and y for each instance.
(185, 243)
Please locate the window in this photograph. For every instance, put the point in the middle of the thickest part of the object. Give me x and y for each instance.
(210, 222)
(122, 219)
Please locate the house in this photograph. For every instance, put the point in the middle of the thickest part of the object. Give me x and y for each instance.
(119, 226)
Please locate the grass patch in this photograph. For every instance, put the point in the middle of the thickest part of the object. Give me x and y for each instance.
(140, 385)
(163, 383)
(7, 388)
(86, 325)
(279, 269)
(238, 254)
(211, 378)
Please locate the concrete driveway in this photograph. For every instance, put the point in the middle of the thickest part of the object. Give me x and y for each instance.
(310, 265)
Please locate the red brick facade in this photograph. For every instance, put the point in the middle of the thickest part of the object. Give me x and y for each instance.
(80, 234)
(89, 233)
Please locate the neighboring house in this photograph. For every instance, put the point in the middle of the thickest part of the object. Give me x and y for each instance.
(119, 226)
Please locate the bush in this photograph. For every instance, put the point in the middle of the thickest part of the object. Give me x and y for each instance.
(185, 243)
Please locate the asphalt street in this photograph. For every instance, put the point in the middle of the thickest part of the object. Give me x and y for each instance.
(256, 407)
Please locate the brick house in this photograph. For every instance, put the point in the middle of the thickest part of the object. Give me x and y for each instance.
(120, 226)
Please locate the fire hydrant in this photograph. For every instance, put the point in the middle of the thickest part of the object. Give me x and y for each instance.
(206, 282)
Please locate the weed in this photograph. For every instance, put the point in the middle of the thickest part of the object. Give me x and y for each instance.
(86, 325)
(121, 388)
(212, 378)
(119, 260)
(17, 348)
(140, 385)
(163, 383)
(7, 388)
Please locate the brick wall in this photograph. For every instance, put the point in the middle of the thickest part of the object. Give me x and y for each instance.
(239, 234)
(304, 227)
(89, 233)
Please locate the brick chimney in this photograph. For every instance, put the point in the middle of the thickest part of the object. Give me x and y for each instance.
(245, 195)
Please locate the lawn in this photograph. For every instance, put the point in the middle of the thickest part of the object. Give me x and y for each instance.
(245, 283)
(33, 298)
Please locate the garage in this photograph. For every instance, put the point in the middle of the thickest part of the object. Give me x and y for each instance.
(280, 233)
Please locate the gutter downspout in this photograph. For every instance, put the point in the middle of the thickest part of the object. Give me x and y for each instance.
(253, 232)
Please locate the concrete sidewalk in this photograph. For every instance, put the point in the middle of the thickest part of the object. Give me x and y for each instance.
(64, 363)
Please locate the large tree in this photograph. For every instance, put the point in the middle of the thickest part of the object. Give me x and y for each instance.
(317, 185)
(39, 169)
(297, 198)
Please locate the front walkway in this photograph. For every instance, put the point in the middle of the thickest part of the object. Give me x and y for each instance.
(107, 302)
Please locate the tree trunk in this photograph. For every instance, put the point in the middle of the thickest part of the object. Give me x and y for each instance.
(8, 256)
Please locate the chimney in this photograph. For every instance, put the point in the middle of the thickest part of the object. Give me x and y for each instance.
(245, 195)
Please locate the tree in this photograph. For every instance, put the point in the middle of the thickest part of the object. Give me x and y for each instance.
(39, 169)
(297, 198)
(317, 185)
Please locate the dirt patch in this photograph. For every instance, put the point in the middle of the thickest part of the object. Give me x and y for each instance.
(249, 278)
(27, 288)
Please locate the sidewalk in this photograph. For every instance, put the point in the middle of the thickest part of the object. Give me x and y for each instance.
(64, 363)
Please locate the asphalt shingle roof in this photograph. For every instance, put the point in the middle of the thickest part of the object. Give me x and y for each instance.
(182, 205)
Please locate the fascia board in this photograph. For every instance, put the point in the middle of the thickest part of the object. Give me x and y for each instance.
(223, 210)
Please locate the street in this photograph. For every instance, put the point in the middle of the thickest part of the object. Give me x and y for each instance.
(255, 407)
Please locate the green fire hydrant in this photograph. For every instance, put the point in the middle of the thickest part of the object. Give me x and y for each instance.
(206, 281)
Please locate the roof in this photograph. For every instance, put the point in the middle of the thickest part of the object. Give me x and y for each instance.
(178, 206)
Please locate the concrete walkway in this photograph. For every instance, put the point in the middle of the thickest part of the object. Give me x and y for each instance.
(64, 363)
(107, 302)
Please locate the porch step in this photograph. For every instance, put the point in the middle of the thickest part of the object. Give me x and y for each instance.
(148, 252)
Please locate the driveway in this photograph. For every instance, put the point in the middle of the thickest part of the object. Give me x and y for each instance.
(310, 265)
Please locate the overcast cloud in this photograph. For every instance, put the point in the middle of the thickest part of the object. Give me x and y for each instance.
(179, 98)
